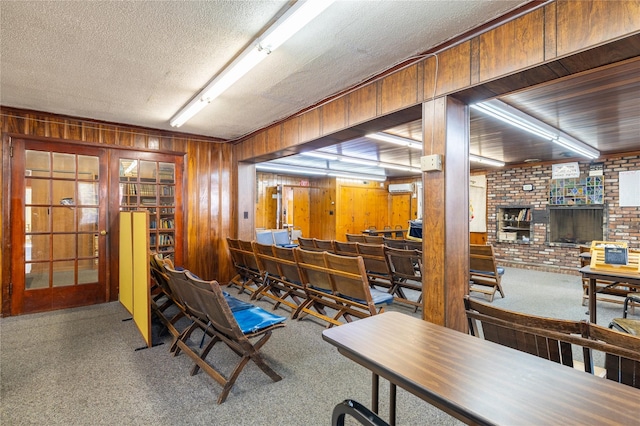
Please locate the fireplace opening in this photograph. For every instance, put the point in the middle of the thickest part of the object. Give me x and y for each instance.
(576, 224)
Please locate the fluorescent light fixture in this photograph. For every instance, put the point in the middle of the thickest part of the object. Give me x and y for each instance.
(296, 17)
(363, 162)
(510, 115)
(316, 154)
(358, 177)
(398, 140)
(485, 160)
(286, 169)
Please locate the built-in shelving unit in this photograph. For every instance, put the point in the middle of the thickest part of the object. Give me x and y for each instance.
(514, 224)
(151, 186)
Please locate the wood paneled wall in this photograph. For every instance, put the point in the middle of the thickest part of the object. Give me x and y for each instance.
(545, 34)
(208, 174)
(337, 206)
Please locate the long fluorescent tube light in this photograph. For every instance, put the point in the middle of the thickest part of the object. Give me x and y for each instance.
(315, 154)
(398, 140)
(363, 162)
(485, 160)
(290, 170)
(296, 17)
(358, 177)
(510, 115)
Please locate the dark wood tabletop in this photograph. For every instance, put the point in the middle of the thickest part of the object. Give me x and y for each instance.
(478, 381)
(594, 275)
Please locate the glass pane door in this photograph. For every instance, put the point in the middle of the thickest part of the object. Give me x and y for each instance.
(62, 225)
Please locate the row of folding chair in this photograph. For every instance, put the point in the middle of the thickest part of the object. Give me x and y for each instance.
(386, 265)
(285, 281)
(218, 317)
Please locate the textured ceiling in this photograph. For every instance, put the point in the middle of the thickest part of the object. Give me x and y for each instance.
(139, 62)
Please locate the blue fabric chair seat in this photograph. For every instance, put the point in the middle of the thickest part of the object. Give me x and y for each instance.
(254, 319)
(324, 290)
(500, 271)
(378, 297)
(236, 304)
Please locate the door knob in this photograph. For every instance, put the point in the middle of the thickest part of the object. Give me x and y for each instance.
(103, 232)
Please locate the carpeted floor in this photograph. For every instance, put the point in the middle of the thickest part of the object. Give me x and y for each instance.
(80, 367)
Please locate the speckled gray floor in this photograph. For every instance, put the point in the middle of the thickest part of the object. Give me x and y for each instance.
(80, 367)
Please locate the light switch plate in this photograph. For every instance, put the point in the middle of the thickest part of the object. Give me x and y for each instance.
(430, 163)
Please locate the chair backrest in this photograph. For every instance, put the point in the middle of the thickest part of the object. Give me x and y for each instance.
(211, 302)
(393, 243)
(374, 239)
(482, 258)
(346, 248)
(357, 238)
(281, 236)
(295, 234)
(287, 263)
(313, 269)
(266, 260)
(250, 260)
(237, 255)
(177, 282)
(404, 265)
(414, 245)
(264, 237)
(306, 243)
(622, 354)
(374, 260)
(324, 245)
(548, 338)
(350, 278)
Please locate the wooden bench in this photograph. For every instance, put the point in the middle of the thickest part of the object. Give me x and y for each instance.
(484, 273)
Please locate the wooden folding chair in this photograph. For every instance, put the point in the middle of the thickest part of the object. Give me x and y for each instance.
(375, 263)
(324, 245)
(351, 283)
(249, 277)
(484, 274)
(317, 283)
(274, 284)
(235, 329)
(348, 248)
(394, 243)
(374, 239)
(622, 354)
(306, 243)
(242, 277)
(548, 338)
(339, 283)
(355, 238)
(405, 267)
(163, 302)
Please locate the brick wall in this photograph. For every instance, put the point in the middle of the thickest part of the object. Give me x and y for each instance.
(504, 187)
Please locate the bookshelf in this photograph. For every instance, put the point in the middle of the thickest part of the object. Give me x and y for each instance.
(151, 186)
(514, 224)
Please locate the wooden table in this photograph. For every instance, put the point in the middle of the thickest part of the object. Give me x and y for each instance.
(478, 381)
(633, 280)
(398, 233)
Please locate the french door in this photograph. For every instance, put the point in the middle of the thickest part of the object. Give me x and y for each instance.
(58, 226)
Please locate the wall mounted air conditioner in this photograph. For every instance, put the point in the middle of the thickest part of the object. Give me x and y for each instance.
(400, 187)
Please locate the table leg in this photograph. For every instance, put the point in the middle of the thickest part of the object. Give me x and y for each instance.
(592, 300)
(392, 404)
(375, 381)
